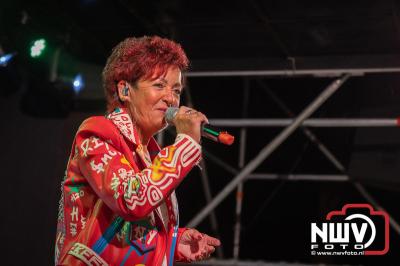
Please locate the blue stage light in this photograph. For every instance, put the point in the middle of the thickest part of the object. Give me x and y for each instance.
(4, 59)
(78, 83)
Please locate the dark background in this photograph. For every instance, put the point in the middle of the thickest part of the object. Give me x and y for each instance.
(40, 118)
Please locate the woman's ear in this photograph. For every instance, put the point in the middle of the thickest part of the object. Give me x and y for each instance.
(123, 91)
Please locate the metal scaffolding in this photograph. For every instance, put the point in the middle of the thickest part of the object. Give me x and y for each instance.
(244, 171)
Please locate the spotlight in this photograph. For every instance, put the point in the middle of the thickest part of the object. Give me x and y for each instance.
(4, 59)
(38, 47)
(78, 83)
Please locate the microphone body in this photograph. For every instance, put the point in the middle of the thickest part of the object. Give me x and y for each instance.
(207, 131)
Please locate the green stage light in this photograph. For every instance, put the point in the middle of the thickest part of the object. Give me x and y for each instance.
(38, 47)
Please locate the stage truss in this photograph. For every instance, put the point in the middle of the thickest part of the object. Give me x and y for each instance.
(244, 172)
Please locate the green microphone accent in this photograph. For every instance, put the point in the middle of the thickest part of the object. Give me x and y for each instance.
(211, 132)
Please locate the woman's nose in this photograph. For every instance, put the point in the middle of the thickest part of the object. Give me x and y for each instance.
(169, 98)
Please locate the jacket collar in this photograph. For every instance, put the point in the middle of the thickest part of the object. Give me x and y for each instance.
(123, 122)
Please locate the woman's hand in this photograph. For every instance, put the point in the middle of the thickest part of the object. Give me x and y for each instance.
(194, 245)
(188, 121)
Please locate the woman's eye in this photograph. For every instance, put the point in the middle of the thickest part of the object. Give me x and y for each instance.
(178, 92)
(159, 85)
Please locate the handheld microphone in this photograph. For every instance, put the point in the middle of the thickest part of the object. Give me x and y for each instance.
(207, 131)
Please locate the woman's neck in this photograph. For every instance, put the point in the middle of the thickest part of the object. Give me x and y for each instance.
(143, 137)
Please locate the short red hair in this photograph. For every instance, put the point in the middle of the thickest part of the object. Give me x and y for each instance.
(137, 58)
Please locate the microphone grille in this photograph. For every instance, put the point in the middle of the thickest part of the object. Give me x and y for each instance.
(170, 114)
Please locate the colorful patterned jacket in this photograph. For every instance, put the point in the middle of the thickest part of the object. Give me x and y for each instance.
(118, 206)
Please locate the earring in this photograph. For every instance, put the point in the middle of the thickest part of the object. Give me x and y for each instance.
(125, 91)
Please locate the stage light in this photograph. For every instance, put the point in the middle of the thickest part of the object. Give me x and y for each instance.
(38, 47)
(4, 59)
(78, 83)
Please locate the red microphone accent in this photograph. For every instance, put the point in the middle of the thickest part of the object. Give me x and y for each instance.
(226, 138)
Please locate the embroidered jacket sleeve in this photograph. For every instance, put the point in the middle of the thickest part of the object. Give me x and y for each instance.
(130, 193)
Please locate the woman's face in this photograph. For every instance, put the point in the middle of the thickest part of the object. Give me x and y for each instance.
(149, 100)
